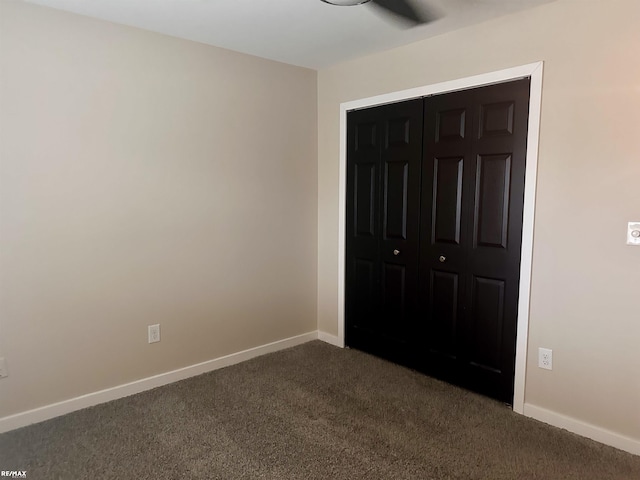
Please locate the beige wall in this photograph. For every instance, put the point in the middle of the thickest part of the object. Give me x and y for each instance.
(585, 286)
(146, 179)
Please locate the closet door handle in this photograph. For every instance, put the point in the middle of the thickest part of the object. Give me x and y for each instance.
(442, 259)
(396, 252)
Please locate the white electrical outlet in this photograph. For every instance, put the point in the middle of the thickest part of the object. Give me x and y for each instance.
(633, 233)
(154, 333)
(545, 358)
(3, 368)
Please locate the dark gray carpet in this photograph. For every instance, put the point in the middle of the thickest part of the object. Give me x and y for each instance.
(310, 412)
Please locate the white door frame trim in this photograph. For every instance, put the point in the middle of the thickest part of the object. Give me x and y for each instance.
(533, 70)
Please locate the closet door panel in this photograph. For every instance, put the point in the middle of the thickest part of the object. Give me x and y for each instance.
(444, 218)
(362, 306)
(384, 149)
(401, 154)
(493, 261)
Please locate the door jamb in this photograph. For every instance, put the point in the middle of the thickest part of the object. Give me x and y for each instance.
(533, 70)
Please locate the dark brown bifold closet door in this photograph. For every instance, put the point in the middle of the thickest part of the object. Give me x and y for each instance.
(471, 226)
(384, 152)
(435, 191)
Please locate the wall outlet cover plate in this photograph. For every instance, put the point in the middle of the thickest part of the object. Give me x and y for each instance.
(633, 233)
(545, 358)
(154, 333)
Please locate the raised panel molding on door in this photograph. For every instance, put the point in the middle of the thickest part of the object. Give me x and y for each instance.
(364, 192)
(493, 182)
(487, 323)
(446, 207)
(395, 205)
(443, 309)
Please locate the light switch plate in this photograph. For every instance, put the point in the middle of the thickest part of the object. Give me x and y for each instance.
(633, 233)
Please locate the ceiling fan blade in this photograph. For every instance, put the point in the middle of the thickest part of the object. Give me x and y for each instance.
(404, 10)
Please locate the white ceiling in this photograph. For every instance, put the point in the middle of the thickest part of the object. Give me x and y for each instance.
(308, 33)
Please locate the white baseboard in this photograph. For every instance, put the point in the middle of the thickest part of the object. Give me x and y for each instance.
(593, 432)
(47, 412)
(40, 414)
(332, 339)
